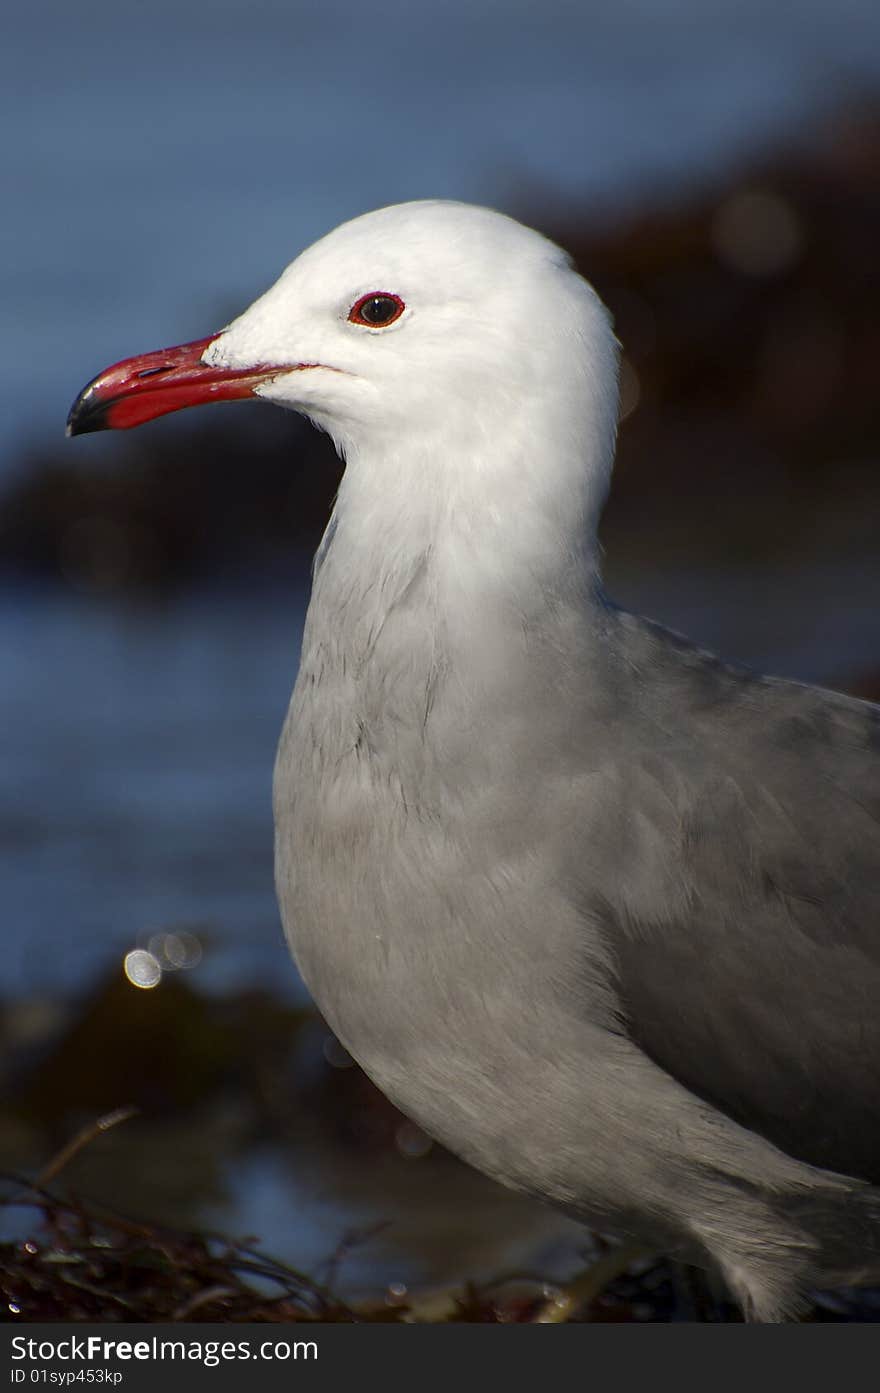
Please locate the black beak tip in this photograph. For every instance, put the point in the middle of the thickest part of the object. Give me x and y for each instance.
(85, 416)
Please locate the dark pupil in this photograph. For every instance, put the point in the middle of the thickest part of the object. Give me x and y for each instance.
(379, 310)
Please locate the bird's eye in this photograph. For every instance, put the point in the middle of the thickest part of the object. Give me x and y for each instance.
(377, 310)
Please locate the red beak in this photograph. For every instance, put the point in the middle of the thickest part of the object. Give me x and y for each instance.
(138, 389)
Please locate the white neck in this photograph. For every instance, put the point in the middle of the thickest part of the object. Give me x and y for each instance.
(502, 505)
(462, 560)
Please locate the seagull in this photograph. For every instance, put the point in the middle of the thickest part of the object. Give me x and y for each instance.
(600, 911)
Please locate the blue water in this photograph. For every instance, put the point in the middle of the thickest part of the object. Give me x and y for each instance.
(161, 162)
(135, 787)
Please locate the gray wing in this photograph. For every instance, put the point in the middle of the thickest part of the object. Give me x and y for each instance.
(753, 977)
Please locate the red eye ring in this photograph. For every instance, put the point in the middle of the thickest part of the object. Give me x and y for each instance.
(377, 309)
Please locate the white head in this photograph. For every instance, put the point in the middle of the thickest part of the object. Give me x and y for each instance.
(487, 379)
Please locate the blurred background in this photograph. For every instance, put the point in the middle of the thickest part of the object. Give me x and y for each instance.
(714, 166)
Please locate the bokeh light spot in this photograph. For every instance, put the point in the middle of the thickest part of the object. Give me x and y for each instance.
(757, 233)
(175, 951)
(630, 389)
(412, 1142)
(336, 1055)
(142, 968)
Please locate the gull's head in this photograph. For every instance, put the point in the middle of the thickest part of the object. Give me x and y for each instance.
(401, 322)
